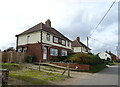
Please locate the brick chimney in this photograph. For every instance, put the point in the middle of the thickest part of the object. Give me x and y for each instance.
(78, 39)
(48, 22)
(109, 51)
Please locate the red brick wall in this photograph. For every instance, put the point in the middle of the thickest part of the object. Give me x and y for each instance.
(34, 50)
(80, 66)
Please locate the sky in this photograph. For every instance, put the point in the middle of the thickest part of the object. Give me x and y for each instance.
(72, 18)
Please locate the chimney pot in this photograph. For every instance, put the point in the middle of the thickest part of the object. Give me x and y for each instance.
(78, 39)
(48, 22)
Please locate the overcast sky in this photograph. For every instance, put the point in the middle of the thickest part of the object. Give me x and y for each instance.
(71, 17)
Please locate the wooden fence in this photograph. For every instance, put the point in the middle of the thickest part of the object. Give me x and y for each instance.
(13, 57)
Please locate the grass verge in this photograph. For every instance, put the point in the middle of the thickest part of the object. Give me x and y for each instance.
(11, 66)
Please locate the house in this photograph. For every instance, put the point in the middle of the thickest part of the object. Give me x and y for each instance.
(78, 46)
(43, 42)
(104, 55)
(113, 56)
(107, 55)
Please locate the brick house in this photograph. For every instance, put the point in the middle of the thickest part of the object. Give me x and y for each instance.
(43, 42)
(78, 46)
(113, 56)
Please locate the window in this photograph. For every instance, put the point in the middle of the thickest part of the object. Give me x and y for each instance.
(55, 39)
(63, 42)
(68, 44)
(20, 50)
(105, 54)
(25, 49)
(53, 52)
(64, 52)
(48, 37)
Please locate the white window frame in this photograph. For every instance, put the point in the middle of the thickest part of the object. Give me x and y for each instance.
(63, 42)
(48, 37)
(20, 50)
(55, 39)
(53, 52)
(25, 49)
(64, 52)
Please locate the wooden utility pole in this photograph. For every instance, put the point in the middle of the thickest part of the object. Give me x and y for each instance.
(87, 44)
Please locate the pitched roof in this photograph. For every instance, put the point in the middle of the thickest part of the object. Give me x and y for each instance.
(111, 54)
(77, 43)
(46, 28)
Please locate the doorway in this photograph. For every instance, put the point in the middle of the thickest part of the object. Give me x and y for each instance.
(44, 53)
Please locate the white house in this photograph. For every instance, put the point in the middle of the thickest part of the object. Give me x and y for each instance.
(78, 46)
(43, 42)
(104, 55)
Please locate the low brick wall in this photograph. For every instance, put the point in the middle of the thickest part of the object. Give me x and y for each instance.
(73, 66)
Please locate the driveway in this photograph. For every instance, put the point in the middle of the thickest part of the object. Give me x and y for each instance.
(108, 76)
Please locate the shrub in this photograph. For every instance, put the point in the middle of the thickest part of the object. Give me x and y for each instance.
(54, 59)
(97, 68)
(31, 59)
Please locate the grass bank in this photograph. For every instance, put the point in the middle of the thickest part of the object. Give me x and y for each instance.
(35, 77)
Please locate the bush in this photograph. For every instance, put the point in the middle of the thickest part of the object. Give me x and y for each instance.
(31, 59)
(54, 59)
(85, 58)
(61, 59)
(97, 68)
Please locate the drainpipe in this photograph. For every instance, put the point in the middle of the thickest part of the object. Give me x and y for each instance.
(41, 43)
(16, 43)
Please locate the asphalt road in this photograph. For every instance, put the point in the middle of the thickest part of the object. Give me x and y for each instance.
(108, 76)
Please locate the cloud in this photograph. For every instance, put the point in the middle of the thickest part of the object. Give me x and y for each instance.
(70, 17)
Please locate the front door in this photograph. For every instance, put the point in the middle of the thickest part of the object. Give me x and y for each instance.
(45, 53)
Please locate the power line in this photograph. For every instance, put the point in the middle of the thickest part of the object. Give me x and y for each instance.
(103, 18)
(99, 41)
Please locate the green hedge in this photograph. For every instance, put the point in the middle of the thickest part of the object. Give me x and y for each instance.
(97, 68)
(86, 58)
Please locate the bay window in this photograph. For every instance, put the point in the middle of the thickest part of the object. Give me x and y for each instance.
(53, 52)
(64, 52)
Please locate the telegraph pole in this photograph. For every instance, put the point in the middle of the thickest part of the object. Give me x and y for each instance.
(87, 43)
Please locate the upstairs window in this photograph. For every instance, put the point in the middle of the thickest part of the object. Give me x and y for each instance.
(48, 37)
(63, 42)
(68, 44)
(55, 39)
(53, 52)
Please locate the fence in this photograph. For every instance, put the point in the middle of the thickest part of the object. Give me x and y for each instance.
(13, 57)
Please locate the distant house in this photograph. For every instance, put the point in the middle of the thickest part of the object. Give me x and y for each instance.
(78, 46)
(43, 42)
(9, 49)
(104, 55)
(113, 56)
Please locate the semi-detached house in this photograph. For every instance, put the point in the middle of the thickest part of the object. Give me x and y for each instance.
(43, 42)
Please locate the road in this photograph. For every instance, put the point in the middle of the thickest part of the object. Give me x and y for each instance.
(108, 76)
